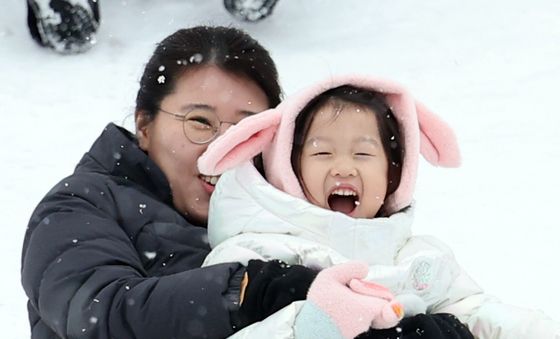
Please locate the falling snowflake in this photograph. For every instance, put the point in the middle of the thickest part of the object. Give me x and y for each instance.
(196, 58)
(141, 208)
(150, 255)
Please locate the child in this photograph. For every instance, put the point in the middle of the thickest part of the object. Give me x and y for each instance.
(347, 150)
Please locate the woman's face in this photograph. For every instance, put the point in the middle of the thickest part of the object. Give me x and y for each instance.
(343, 163)
(230, 97)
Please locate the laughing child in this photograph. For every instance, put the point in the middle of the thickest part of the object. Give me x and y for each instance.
(340, 161)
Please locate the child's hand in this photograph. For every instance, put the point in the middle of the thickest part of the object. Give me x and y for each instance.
(341, 304)
(391, 312)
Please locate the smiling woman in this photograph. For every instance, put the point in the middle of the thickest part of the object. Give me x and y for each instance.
(114, 250)
(221, 99)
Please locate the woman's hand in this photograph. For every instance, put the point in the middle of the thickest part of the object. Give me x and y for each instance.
(268, 286)
(433, 326)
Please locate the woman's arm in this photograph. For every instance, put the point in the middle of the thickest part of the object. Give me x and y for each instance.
(84, 277)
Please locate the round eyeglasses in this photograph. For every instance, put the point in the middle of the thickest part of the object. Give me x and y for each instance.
(200, 125)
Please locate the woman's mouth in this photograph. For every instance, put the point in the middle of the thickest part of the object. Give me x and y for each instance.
(211, 179)
(209, 182)
(344, 200)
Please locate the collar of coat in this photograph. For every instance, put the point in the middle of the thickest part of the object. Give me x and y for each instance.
(116, 153)
(244, 202)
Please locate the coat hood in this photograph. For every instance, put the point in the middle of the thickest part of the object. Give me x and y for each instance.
(271, 132)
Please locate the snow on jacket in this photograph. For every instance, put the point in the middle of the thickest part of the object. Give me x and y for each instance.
(107, 256)
(251, 219)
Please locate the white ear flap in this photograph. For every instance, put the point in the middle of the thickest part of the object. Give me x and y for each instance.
(240, 143)
(438, 143)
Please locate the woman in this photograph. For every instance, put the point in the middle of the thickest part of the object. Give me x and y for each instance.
(115, 249)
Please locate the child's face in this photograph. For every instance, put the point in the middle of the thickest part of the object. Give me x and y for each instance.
(343, 163)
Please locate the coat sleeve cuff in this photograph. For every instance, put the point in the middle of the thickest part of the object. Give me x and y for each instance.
(232, 297)
(313, 323)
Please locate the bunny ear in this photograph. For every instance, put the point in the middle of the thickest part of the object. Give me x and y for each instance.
(438, 143)
(240, 143)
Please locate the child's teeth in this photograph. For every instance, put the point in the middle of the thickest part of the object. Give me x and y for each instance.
(343, 192)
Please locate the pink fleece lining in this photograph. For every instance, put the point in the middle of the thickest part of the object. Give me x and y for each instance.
(423, 133)
(247, 139)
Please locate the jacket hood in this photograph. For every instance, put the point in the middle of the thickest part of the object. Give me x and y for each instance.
(271, 132)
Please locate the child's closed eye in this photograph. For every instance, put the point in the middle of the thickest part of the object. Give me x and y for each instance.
(319, 154)
(364, 154)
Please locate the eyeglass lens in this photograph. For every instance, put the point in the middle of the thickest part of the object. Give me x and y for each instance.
(201, 126)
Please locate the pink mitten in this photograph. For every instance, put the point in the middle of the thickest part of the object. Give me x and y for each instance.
(352, 304)
(391, 313)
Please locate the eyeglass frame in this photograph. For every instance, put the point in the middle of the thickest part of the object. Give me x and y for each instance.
(183, 117)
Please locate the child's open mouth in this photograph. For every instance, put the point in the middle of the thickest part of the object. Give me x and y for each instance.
(344, 200)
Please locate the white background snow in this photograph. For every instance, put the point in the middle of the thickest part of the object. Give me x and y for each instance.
(490, 68)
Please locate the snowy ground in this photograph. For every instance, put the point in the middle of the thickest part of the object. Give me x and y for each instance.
(490, 68)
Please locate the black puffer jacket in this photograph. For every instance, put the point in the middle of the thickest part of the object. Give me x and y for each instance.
(107, 256)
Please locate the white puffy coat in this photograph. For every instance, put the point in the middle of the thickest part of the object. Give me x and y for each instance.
(262, 222)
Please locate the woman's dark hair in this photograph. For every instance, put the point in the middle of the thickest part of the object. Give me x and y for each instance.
(374, 101)
(230, 49)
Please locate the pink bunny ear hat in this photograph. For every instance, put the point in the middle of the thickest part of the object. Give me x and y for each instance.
(271, 132)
